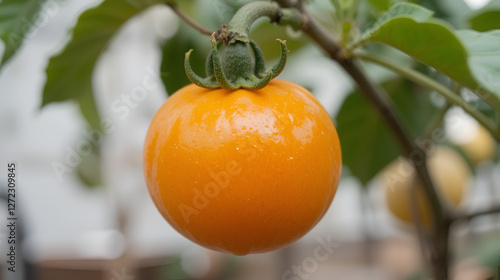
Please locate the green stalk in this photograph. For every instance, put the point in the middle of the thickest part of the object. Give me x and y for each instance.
(338, 10)
(237, 67)
(427, 82)
(240, 25)
(436, 121)
(352, 10)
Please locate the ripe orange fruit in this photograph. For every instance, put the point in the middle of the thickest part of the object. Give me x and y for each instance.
(449, 172)
(243, 171)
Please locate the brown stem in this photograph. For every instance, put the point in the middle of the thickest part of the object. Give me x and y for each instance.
(416, 217)
(190, 21)
(417, 156)
(493, 210)
(440, 252)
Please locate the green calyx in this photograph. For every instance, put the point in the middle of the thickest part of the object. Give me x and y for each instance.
(235, 67)
(241, 63)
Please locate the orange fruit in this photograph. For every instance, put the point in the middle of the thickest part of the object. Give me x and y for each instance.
(449, 172)
(243, 171)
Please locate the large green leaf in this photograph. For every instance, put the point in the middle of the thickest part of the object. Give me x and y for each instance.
(412, 29)
(172, 65)
(367, 144)
(454, 12)
(18, 18)
(485, 21)
(69, 74)
(484, 57)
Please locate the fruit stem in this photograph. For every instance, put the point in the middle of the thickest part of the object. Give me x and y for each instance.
(491, 211)
(239, 26)
(236, 66)
(189, 20)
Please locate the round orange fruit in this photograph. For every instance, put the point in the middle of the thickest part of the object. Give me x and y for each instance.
(243, 171)
(481, 147)
(449, 172)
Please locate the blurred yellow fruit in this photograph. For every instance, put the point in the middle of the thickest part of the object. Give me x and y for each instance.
(450, 174)
(481, 147)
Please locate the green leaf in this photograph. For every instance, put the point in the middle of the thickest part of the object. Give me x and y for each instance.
(18, 18)
(69, 74)
(485, 21)
(172, 66)
(89, 169)
(412, 29)
(367, 144)
(381, 5)
(410, 11)
(484, 59)
(454, 12)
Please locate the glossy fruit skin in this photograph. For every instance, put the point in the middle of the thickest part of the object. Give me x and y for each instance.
(243, 171)
(449, 172)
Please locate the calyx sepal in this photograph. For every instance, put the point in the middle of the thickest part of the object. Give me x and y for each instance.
(236, 67)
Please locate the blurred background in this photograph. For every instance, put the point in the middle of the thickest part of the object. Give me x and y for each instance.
(94, 219)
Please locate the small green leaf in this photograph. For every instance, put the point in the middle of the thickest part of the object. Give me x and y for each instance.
(89, 169)
(485, 21)
(172, 65)
(412, 29)
(367, 144)
(69, 74)
(18, 18)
